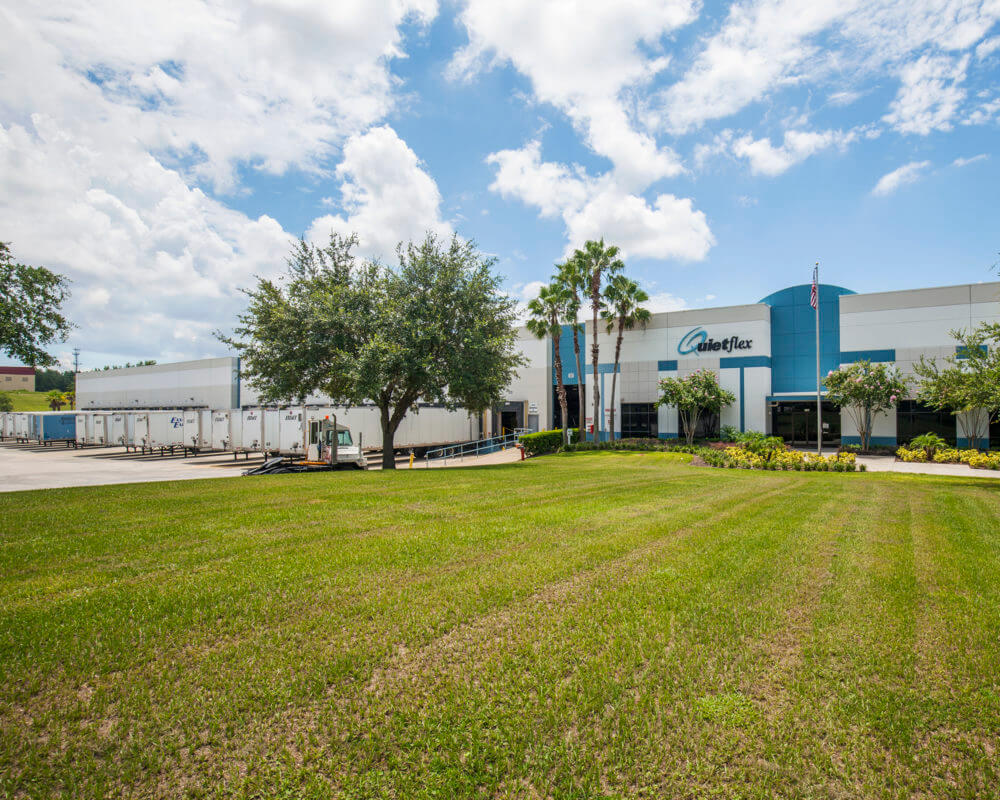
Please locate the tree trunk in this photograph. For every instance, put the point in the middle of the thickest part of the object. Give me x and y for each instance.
(581, 395)
(689, 426)
(614, 378)
(867, 435)
(388, 436)
(594, 354)
(561, 387)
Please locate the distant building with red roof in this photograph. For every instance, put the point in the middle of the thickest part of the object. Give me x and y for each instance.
(20, 378)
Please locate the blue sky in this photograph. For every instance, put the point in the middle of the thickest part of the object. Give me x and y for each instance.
(162, 158)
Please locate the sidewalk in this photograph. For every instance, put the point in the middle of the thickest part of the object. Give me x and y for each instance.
(890, 464)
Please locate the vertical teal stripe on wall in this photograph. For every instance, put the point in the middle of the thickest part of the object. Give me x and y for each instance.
(742, 396)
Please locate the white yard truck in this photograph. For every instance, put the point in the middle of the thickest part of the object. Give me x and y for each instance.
(331, 444)
(327, 446)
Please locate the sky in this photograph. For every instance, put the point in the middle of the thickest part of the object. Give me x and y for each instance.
(164, 155)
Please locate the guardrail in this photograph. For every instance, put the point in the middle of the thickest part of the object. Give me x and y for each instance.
(476, 448)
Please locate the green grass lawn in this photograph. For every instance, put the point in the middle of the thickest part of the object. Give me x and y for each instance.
(590, 625)
(29, 401)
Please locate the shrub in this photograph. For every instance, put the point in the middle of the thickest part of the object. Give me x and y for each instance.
(930, 443)
(729, 433)
(760, 443)
(542, 442)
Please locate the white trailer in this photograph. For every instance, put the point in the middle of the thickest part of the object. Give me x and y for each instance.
(6, 425)
(291, 432)
(166, 429)
(97, 428)
(271, 417)
(136, 429)
(251, 431)
(220, 437)
(197, 435)
(21, 426)
(116, 428)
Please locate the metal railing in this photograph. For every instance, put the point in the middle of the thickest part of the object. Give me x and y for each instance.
(476, 448)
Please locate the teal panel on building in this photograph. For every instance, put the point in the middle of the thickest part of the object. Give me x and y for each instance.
(793, 336)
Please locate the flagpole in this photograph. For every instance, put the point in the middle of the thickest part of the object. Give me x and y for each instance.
(819, 401)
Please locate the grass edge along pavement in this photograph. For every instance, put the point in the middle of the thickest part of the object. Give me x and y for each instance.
(628, 626)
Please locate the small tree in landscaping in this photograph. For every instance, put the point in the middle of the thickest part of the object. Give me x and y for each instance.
(968, 385)
(865, 389)
(693, 395)
(6, 402)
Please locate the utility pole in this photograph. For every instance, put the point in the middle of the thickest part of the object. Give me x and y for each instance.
(76, 359)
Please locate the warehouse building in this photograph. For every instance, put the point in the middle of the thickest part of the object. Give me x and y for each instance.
(763, 352)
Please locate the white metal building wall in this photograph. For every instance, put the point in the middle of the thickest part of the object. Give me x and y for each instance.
(208, 382)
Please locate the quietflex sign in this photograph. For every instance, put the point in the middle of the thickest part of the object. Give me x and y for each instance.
(697, 341)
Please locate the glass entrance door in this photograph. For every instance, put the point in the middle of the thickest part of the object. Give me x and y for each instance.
(795, 422)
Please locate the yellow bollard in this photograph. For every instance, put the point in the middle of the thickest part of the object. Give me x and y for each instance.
(411, 459)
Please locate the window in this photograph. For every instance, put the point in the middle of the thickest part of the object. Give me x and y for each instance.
(639, 421)
(913, 418)
(8, 379)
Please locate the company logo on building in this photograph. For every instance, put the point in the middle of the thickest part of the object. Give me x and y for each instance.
(698, 341)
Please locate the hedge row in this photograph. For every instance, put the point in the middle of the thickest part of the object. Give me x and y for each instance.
(545, 441)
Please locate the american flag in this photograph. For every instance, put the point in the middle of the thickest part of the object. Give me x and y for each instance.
(814, 291)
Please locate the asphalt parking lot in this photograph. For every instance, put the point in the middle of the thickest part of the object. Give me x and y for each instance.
(24, 466)
(30, 466)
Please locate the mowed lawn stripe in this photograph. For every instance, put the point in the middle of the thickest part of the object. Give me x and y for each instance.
(959, 624)
(549, 693)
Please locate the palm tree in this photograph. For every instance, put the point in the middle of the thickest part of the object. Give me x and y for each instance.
(56, 399)
(597, 261)
(547, 312)
(623, 297)
(571, 275)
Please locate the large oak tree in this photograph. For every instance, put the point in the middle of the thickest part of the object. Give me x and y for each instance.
(31, 318)
(435, 328)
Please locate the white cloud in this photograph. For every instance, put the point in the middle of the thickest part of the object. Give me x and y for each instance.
(582, 58)
(759, 46)
(906, 174)
(110, 112)
(670, 228)
(664, 301)
(595, 207)
(155, 265)
(987, 47)
(765, 45)
(549, 186)
(766, 159)
(387, 194)
(964, 162)
(844, 97)
(983, 113)
(929, 98)
(271, 84)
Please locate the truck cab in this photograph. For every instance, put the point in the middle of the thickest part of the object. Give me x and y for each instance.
(322, 435)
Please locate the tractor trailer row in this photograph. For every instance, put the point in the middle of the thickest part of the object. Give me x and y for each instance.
(283, 431)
